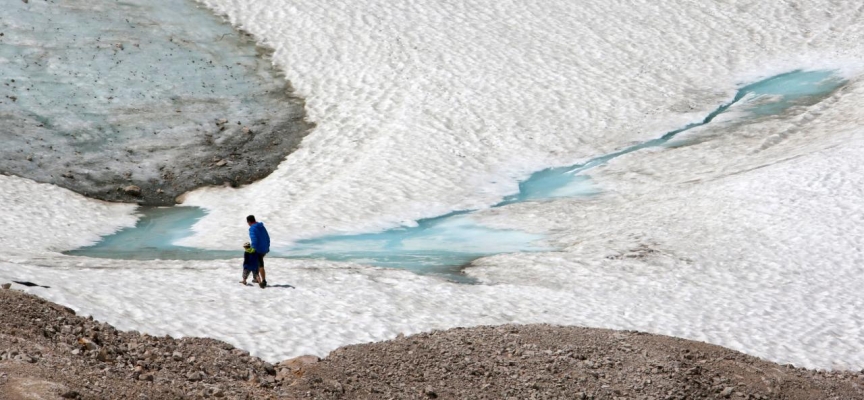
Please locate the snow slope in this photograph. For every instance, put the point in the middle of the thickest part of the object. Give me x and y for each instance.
(748, 238)
(454, 101)
(40, 218)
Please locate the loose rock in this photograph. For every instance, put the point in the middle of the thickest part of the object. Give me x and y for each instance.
(528, 361)
(132, 190)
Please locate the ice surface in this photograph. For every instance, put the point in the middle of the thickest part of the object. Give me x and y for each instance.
(41, 219)
(153, 236)
(439, 246)
(444, 243)
(748, 238)
(425, 108)
(771, 96)
(752, 236)
(98, 95)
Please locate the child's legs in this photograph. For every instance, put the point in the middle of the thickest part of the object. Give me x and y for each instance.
(246, 274)
(255, 275)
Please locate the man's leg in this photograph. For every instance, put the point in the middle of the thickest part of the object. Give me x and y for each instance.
(261, 267)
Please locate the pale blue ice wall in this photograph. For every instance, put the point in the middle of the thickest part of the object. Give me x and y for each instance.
(98, 94)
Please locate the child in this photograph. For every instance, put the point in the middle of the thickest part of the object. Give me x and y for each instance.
(250, 264)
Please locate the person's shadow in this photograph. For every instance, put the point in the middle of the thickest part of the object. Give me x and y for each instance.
(285, 285)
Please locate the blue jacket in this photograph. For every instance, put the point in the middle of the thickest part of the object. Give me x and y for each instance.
(250, 260)
(259, 239)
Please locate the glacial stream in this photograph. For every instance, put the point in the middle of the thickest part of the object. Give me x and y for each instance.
(441, 245)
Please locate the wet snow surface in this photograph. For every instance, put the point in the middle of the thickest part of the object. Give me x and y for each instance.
(744, 232)
(100, 95)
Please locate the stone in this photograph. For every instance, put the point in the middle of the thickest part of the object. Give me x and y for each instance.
(284, 374)
(333, 385)
(132, 190)
(297, 363)
(25, 358)
(87, 344)
(727, 391)
(6, 286)
(177, 356)
(103, 355)
(194, 376)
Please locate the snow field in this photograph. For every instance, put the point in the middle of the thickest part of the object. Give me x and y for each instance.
(41, 218)
(425, 107)
(453, 102)
(332, 304)
(728, 241)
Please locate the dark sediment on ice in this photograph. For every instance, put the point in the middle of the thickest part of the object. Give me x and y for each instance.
(46, 350)
(135, 103)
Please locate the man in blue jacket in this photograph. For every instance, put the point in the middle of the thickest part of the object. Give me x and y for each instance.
(260, 241)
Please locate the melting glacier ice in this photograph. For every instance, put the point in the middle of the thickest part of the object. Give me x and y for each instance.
(100, 95)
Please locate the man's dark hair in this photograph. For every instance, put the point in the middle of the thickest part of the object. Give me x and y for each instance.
(250, 218)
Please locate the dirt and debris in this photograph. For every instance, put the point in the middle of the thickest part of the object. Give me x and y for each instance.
(46, 350)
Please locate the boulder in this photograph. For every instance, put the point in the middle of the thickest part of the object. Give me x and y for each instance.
(297, 363)
(132, 190)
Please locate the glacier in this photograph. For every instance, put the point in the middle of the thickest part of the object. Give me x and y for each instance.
(744, 235)
(101, 95)
(444, 244)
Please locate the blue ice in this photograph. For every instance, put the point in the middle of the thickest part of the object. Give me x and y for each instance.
(436, 246)
(770, 96)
